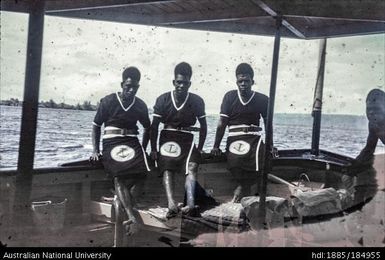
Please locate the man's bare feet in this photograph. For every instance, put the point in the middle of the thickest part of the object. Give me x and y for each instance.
(172, 211)
(190, 211)
(237, 195)
(237, 198)
(131, 226)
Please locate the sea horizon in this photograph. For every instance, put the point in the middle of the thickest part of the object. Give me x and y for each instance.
(70, 139)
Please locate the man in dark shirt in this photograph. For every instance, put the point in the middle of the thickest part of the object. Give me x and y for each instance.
(241, 111)
(179, 110)
(375, 111)
(124, 158)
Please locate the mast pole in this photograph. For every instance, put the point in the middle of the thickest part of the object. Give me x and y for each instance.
(317, 103)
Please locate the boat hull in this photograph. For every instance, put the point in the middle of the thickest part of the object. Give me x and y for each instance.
(84, 185)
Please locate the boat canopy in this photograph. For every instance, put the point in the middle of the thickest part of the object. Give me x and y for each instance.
(301, 19)
(298, 19)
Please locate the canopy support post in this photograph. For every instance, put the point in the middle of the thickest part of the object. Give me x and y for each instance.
(21, 208)
(267, 165)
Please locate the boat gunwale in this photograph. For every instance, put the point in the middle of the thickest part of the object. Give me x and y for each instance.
(207, 159)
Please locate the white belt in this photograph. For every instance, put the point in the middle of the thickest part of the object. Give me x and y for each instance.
(243, 125)
(107, 136)
(243, 133)
(177, 130)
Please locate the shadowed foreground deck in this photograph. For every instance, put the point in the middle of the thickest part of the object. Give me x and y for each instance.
(364, 226)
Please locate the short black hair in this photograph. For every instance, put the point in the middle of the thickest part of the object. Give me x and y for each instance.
(184, 69)
(376, 95)
(131, 72)
(244, 68)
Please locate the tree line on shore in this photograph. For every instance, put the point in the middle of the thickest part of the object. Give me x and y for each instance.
(52, 104)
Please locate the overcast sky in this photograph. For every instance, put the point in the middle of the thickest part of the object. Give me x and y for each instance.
(83, 60)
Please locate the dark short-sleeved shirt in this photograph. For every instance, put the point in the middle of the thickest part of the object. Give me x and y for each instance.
(183, 116)
(112, 112)
(239, 112)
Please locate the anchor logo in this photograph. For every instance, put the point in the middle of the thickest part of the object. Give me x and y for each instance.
(239, 147)
(122, 153)
(171, 149)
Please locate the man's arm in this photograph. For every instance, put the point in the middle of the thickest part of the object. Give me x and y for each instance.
(96, 131)
(154, 137)
(264, 121)
(367, 152)
(223, 122)
(202, 132)
(100, 118)
(146, 123)
(146, 137)
(265, 124)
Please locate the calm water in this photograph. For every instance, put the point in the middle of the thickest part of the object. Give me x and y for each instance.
(65, 135)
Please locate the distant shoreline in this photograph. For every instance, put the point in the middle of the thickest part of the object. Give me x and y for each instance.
(86, 106)
(209, 114)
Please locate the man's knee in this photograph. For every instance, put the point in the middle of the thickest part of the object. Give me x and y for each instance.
(192, 169)
(125, 183)
(168, 178)
(118, 182)
(167, 175)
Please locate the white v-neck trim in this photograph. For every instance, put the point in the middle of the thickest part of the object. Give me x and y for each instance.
(248, 101)
(120, 101)
(173, 101)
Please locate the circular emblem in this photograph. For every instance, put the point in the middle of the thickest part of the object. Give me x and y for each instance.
(122, 153)
(171, 149)
(239, 147)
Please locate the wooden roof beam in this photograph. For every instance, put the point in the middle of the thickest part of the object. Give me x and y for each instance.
(285, 23)
(136, 16)
(343, 9)
(71, 5)
(254, 26)
(355, 28)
